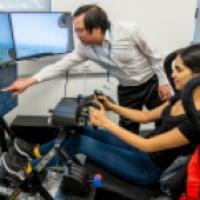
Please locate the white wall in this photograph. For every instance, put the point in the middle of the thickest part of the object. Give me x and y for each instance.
(168, 23)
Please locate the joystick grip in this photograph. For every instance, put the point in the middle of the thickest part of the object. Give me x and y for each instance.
(100, 93)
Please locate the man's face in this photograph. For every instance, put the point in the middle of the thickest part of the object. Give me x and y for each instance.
(85, 36)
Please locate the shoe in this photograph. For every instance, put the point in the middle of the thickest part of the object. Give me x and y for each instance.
(26, 149)
(14, 165)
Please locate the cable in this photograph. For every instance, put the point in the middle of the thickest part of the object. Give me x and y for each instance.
(66, 82)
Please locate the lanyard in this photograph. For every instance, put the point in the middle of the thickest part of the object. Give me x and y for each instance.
(108, 68)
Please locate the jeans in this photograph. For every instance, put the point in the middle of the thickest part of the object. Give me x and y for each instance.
(111, 153)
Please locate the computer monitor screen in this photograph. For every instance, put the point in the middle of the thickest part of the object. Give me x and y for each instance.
(25, 5)
(7, 101)
(6, 40)
(42, 34)
(196, 36)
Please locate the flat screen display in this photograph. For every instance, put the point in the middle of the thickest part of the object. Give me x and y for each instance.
(25, 5)
(42, 34)
(8, 74)
(6, 40)
(196, 36)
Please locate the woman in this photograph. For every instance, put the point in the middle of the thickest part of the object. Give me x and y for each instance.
(132, 157)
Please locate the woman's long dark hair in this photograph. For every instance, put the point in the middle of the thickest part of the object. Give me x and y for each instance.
(188, 102)
(168, 61)
(190, 56)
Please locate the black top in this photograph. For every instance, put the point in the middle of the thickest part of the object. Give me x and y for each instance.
(165, 157)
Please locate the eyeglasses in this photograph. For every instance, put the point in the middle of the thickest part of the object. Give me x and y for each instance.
(79, 30)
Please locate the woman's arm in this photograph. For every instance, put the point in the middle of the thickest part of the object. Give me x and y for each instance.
(139, 116)
(133, 114)
(167, 140)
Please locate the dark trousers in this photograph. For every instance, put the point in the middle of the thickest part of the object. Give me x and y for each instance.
(137, 97)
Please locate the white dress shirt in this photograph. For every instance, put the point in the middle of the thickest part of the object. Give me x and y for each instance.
(125, 52)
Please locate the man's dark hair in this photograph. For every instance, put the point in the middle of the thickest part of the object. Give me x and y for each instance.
(95, 17)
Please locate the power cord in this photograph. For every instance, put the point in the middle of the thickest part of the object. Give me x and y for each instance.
(66, 82)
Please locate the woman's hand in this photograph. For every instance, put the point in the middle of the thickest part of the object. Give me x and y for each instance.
(107, 103)
(98, 116)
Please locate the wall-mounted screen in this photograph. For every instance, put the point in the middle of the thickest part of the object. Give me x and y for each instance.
(196, 37)
(6, 40)
(25, 5)
(42, 34)
(8, 74)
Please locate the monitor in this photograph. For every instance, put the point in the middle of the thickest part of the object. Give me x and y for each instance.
(196, 35)
(6, 40)
(8, 74)
(42, 34)
(25, 5)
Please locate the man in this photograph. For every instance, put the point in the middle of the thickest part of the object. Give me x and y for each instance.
(122, 50)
